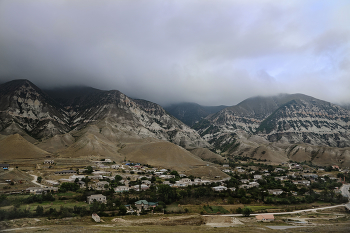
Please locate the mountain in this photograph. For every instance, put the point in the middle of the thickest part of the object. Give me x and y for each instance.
(26, 109)
(190, 113)
(268, 127)
(68, 96)
(86, 122)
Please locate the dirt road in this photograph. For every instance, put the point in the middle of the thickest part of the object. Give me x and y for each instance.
(35, 179)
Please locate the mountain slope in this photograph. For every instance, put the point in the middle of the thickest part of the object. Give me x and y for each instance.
(16, 147)
(140, 117)
(37, 114)
(265, 127)
(296, 118)
(24, 107)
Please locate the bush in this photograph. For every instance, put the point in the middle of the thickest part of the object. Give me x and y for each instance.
(246, 212)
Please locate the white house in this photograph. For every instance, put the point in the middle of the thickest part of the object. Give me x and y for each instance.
(98, 197)
(219, 188)
(96, 218)
(275, 191)
(121, 189)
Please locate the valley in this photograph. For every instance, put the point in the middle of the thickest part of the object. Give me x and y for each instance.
(266, 155)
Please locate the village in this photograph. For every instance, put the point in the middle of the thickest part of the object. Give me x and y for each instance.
(131, 188)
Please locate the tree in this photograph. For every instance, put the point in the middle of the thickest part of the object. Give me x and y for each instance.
(68, 187)
(39, 210)
(340, 175)
(175, 173)
(39, 179)
(89, 170)
(246, 211)
(122, 210)
(118, 178)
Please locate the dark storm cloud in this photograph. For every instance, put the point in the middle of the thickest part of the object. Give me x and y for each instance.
(210, 52)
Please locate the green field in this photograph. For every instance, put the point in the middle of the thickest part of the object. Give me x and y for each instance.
(215, 209)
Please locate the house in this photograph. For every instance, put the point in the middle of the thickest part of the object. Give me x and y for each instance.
(226, 165)
(115, 166)
(275, 191)
(35, 190)
(302, 182)
(146, 182)
(81, 184)
(185, 180)
(101, 173)
(109, 177)
(4, 166)
(219, 188)
(205, 182)
(121, 189)
(96, 218)
(50, 162)
(167, 176)
(295, 166)
(265, 217)
(254, 184)
(181, 184)
(51, 182)
(82, 170)
(281, 178)
(244, 181)
(65, 172)
(310, 176)
(143, 204)
(244, 186)
(101, 185)
(98, 197)
(279, 169)
(258, 177)
(137, 187)
(96, 177)
(73, 177)
(50, 189)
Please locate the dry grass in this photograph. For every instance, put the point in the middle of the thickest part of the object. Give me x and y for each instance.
(207, 155)
(163, 154)
(16, 147)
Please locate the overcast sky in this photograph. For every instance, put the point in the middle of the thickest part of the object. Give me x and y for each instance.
(210, 52)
